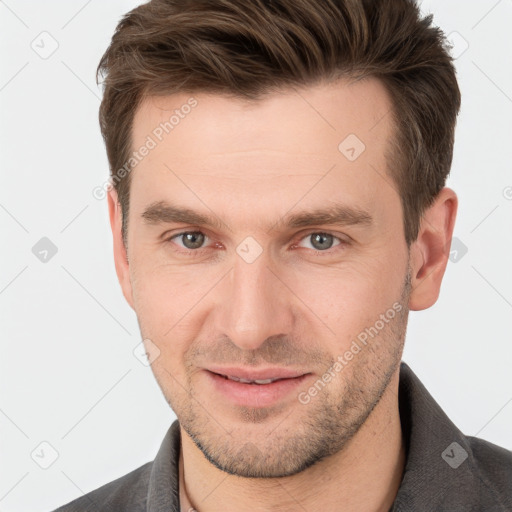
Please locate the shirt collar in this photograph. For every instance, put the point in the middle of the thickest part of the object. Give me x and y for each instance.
(441, 472)
(163, 488)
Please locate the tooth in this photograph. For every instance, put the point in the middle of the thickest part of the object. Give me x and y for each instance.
(248, 381)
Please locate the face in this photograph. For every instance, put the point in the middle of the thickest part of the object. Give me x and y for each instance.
(265, 241)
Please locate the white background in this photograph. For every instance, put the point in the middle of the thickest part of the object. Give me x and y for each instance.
(68, 374)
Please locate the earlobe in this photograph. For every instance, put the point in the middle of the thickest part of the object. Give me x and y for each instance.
(431, 249)
(120, 253)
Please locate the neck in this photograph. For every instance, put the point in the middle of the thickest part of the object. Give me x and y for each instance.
(365, 475)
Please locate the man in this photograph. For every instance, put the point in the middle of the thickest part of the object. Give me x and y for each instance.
(278, 206)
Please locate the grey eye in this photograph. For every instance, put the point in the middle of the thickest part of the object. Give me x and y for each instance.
(191, 239)
(322, 241)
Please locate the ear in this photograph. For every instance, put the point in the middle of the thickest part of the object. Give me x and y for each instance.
(430, 251)
(120, 255)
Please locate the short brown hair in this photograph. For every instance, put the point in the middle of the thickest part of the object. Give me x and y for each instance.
(246, 48)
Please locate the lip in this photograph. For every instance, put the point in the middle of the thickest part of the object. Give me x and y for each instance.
(255, 395)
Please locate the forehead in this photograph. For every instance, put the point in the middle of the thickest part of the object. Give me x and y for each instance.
(332, 110)
(325, 140)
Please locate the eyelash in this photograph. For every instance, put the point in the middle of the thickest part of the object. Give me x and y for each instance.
(198, 252)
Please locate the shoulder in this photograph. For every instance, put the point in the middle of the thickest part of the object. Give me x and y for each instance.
(494, 465)
(128, 492)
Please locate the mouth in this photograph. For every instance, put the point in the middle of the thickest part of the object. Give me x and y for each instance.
(255, 391)
(250, 381)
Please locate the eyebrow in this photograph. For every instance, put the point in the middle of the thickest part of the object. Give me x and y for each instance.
(162, 212)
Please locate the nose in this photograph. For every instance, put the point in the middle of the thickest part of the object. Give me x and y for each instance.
(254, 304)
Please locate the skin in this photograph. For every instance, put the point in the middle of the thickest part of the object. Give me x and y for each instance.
(297, 305)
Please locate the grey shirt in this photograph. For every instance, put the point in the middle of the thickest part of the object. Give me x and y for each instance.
(445, 470)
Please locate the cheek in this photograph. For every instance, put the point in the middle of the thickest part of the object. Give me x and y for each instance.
(161, 292)
(168, 301)
(161, 303)
(349, 298)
